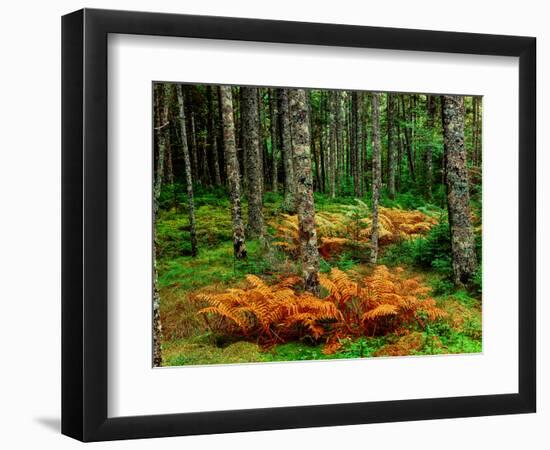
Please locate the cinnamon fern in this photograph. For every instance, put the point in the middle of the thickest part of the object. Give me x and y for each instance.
(382, 302)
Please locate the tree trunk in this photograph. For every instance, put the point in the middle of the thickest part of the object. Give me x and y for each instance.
(429, 148)
(399, 159)
(195, 149)
(339, 139)
(263, 138)
(161, 128)
(354, 144)
(360, 145)
(304, 190)
(274, 144)
(322, 148)
(477, 132)
(232, 170)
(364, 158)
(251, 144)
(332, 143)
(212, 135)
(376, 174)
(458, 196)
(408, 141)
(188, 175)
(391, 149)
(289, 202)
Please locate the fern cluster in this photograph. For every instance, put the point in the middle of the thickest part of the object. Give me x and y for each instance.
(352, 227)
(380, 303)
(269, 313)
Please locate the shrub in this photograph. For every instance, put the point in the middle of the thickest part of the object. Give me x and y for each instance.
(434, 250)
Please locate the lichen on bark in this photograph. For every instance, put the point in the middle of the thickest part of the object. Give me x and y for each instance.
(251, 145)
(233, 173)
(304, 189)
(464, 261)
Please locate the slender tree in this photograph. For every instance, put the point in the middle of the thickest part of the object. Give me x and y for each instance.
(188, 174)
(431, 107)
(194, 145)
(354, 144)
(458, 196)
(360, 145)
(233, 173)
(289, 203)
(376, 174)
(339, 140)
(253, 161)
(408, 138)
(161, 128)
(212, 135)
(332, 144)
(391, 148)
(304, 190)
(274, 143)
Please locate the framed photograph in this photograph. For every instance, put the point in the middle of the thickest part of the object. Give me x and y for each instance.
(273, 224)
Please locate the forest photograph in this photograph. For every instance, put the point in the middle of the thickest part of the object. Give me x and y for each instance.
(294, 224)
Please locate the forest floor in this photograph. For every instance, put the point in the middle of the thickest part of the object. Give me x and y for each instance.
(189, 340)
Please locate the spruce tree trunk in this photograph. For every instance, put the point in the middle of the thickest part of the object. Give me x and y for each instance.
(188, 174)
(458, 196)
(429, 148)
(353, 143)
(399, 158)
(391, 149)
(233, 173)
(161, 128)
(212, 135)
(274, 144)
(332, 143)
(251, 144)
(304, 189)
(408, 141)
(360, 144)
(339, 140)
(195, 148)
(289, 202)
(191, 127)
(376, 174)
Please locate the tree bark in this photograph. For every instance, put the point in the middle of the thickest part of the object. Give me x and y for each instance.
(161, 128)
(212, 135)
(332, 143)
(339, 140)
(429, 148)
(360, 144)
(233, 173)
(391, 149)
(458, 196)
(188, 174)
(354, 144)
(376, 174)
(251, 144)
(304, 190)
(274, 144)
(195, 148)
(408, 141)
(289, 202)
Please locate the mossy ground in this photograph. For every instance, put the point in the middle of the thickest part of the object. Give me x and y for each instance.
(187, 339)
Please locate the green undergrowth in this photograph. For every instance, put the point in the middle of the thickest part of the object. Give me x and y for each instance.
(187, 339)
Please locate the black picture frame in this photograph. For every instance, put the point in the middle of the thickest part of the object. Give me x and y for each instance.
(84, 224)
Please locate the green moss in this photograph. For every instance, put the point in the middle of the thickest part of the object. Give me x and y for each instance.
(199, 351)
(211, 266)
